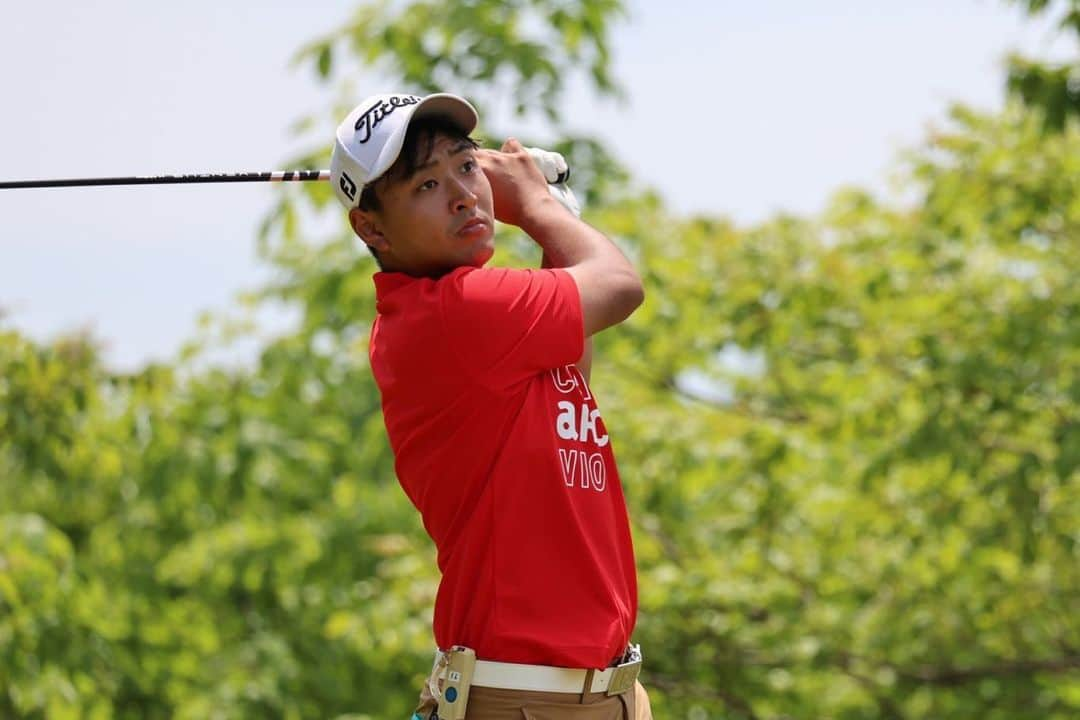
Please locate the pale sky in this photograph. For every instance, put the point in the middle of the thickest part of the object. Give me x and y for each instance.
(735, 109)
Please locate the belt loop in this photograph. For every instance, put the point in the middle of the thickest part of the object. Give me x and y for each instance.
(587, 688)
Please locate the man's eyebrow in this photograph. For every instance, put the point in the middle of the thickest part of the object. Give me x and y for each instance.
(462, 146)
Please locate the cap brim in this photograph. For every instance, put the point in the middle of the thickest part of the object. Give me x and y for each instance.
(457, 109)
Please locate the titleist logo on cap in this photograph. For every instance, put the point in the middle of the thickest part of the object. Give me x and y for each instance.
(374, 115)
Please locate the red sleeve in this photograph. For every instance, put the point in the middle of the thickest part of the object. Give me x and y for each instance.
(510, 324)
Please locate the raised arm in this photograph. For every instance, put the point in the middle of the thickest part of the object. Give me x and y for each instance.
(609, 286)
(584, 363)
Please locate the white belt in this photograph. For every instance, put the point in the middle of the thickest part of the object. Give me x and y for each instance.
(544, 678)
(547, 678)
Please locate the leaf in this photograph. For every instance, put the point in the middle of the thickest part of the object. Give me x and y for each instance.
(326, 57)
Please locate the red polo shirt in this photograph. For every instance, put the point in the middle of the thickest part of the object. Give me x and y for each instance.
(499, 444)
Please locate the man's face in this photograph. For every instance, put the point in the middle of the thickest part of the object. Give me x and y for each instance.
(439, 218)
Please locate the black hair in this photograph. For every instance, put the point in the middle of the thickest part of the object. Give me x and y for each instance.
(416, 150)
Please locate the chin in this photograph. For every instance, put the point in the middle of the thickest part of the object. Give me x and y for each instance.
(482, 255)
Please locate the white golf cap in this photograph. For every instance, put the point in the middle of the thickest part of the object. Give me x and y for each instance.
(370, 137)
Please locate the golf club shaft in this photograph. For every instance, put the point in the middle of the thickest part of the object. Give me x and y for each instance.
(276, 176)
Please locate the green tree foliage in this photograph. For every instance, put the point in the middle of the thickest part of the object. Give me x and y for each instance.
(1054, 89)
(522, 49)
(229, 544)
(850, 446)
(877, 516)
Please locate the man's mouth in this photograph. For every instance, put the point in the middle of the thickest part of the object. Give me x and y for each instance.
(473, 226)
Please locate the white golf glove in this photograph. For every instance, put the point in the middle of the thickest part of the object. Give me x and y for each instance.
(555, 170)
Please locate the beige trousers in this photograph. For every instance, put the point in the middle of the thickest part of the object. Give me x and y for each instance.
(495, 704)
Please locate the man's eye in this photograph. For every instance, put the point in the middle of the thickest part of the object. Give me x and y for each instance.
(427, 185)
(468, 166)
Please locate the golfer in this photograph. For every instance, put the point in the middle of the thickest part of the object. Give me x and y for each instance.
(496, 435)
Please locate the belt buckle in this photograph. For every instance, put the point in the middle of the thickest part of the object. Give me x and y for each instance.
(625, 673)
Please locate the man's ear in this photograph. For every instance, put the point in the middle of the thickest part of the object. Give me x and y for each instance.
(366, 225)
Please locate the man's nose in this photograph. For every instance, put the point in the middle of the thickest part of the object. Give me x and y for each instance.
(463, 197)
